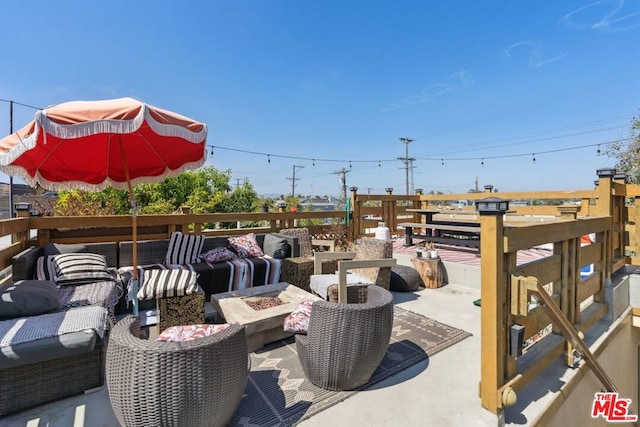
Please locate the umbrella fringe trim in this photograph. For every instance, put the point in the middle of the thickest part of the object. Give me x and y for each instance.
(81, 185)
(80, 130)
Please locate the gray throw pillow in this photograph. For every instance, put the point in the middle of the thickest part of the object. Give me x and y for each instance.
(275, 246)
(28, 298)
(61, 248)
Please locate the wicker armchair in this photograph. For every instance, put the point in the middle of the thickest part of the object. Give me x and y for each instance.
(345, 343)
(193, 383)
(371, 264)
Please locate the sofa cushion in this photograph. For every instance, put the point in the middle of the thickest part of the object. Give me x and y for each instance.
(173, 282)
(275, 246)
(46, 349)
(183, 248)
(80, 268)
(28, 298)
(61, 248)
(246, 246)
(190, 332)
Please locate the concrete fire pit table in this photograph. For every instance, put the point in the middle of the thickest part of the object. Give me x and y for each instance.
(265, 325)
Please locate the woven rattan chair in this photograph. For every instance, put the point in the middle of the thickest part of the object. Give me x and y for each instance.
(192, 383)
(370, 265)
(345, 343)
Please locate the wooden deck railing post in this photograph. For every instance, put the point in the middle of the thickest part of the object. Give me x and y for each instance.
(354, 223)
(604, 207)
(494, 313)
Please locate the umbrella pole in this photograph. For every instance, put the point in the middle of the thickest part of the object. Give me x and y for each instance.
(134, 229)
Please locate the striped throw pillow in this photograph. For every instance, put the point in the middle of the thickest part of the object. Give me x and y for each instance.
(173, 282)
(184, 248)
(45, 268)
(80, 268)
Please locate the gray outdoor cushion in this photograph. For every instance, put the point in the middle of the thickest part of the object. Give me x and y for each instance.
(60, 248)
(275, 247)
(28, 298)
(46, 349)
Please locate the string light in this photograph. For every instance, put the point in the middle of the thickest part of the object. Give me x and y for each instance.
(313, 163)
(349, 164)
(534, 157)
(379, 163)
(269, 158)
(442, 162)
(212, 151)
(482, 162)
(598, 152)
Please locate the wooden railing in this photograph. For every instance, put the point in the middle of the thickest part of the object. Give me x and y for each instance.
(610, 211)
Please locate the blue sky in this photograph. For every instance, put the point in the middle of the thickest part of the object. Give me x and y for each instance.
(481, 86)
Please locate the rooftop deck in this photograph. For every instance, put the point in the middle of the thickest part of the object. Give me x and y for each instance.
(415, 396)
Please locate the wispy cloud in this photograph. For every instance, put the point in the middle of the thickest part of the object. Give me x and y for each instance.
(535, 51)
(453, 83)
(602, 15)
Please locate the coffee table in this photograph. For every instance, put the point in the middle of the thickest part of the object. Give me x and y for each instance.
(262, 326)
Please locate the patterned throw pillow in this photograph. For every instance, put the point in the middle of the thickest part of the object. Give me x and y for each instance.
(190, 332)
(298, 321)
(184, 248)
(218, 255)
(246, 246)
(80, 268)
(168, 283)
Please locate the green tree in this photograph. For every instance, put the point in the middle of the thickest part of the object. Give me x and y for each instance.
(205, 190)
(627, 153)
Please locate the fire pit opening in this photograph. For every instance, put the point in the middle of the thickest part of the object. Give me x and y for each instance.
(262, 303)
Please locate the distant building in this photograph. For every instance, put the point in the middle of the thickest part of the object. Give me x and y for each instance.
(317, 203)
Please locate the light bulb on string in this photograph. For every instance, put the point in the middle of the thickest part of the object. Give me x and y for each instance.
(349, 164)
(598, 152)
(482, 162)
(442, 162)
(269, 158)
(313, 163)
(534, 157)
(212, 151)
(379, 164)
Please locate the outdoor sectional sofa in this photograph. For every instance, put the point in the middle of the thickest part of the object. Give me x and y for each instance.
(59, 352)
(36, 372)
(224, 276)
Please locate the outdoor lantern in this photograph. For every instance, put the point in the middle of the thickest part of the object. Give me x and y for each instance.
(621, 176)
(606, 172)
(492, 206)
(22, 206)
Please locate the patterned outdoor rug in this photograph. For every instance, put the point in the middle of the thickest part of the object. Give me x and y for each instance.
(278, 393)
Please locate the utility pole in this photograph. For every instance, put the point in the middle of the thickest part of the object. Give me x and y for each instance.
(342, 178)
(294, 179)
(408, 161)
(237, 182)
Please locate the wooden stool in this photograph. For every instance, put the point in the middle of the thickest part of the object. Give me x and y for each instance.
(430, 271)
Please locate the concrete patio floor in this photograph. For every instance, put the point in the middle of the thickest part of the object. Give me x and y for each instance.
(439, 391)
